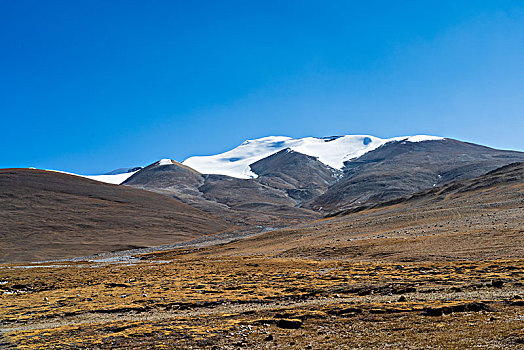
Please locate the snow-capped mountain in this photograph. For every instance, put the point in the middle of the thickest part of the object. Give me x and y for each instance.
(332, 151)
(323, 174)
(297, 178)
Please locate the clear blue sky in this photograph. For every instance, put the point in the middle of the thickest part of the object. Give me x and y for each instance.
(89, 86)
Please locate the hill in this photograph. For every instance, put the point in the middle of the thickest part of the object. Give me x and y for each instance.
(245, 202)
(285, 186)
(50, 215)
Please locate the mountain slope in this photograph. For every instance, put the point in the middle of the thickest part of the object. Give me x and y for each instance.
(479, 218)
(302, 177)
(401, 168)
(48, 215)
(168, 175)
(287, 180)
(239, 201)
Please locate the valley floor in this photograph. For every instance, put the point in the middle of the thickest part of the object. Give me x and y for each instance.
(182, 300)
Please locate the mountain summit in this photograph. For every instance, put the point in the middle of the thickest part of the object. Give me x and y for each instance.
(332, 151)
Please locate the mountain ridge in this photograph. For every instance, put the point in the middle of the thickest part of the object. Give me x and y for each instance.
(287, 177)
(332, 151)
(318, 175)
(291, 188)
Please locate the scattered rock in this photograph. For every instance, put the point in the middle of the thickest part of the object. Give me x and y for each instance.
(477, 306)
(289, 323)
(472, 307)
(113, 285)
(431, 311)
(497, 284)
(446, 310)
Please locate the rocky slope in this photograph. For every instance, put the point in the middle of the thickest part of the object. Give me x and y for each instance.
(239, 201)
(401, 168)
(303, 177)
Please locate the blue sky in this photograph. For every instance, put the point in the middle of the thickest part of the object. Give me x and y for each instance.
(89, 86)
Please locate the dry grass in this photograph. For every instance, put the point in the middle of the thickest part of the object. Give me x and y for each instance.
(227, 303)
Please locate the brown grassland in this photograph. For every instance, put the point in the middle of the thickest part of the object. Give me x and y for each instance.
(253, 301)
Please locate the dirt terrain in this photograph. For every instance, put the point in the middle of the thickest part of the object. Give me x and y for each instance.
(443, 269)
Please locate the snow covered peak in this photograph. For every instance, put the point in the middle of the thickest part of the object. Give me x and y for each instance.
(165, 161)
(236, 162)
(332, 151)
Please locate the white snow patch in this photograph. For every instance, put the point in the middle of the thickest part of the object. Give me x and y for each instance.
(330, 151)
(110, 179)
(420, 138)
(165, 162)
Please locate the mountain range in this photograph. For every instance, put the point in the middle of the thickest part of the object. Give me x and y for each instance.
(318, 175)
(262, 184)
